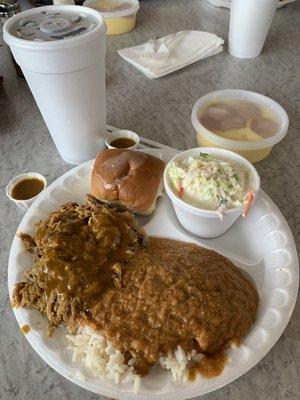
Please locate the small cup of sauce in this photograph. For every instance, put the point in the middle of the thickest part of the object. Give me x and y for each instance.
(23, 189)
(122, 139)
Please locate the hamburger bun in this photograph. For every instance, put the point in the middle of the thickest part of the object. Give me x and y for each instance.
(126, 178)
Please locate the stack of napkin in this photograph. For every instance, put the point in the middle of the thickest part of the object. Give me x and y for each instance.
(160, 57)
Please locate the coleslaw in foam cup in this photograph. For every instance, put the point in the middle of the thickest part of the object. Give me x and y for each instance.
(204, 222)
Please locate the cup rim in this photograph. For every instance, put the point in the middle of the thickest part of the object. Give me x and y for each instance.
(214, 151)
(18, 178)
(10, 39)
(246, 95)
(122, 133)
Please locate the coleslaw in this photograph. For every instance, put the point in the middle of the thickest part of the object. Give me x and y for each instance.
(209, 182)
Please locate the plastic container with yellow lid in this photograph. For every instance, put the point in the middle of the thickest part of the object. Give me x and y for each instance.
(245, 122)
(119, 15)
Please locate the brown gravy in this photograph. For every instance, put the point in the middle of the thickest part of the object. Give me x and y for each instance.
(176, 293)
(211, 365)
(25, 329)
(93, 269)
(122, 143)
(27, 188)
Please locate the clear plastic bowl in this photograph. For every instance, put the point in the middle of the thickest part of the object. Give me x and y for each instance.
(253, 151)
(119, 15)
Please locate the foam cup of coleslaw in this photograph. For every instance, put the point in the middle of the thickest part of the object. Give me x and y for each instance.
(210, 188)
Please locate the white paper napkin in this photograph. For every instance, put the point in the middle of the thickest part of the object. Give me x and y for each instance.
(159, 57)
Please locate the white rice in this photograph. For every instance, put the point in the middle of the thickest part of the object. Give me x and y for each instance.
(179, 361)
(101, 359)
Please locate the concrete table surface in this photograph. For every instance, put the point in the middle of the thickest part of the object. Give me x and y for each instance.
(160, 110)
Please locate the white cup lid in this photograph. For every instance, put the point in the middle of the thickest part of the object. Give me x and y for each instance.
(45, 25)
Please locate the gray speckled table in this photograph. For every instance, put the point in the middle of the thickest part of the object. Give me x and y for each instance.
(159, 110)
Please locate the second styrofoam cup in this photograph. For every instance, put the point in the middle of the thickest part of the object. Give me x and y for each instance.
(250, 22)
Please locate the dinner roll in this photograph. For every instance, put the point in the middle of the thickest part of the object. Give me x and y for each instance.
(127, 178)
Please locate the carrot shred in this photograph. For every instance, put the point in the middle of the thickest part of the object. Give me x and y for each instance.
(247, 204)
(180, 191)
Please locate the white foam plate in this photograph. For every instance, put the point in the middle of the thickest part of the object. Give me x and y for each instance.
(226, 3)
(262, 245)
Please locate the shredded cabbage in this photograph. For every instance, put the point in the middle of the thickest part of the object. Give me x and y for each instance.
(209, 182)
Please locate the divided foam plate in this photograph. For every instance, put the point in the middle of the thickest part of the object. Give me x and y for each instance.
(261, 245)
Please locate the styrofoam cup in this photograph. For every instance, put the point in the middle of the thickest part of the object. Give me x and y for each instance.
(67, 80)
(250, 22)
(200, 221)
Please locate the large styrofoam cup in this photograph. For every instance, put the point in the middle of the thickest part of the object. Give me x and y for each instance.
(67, 80)
(250, 22)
